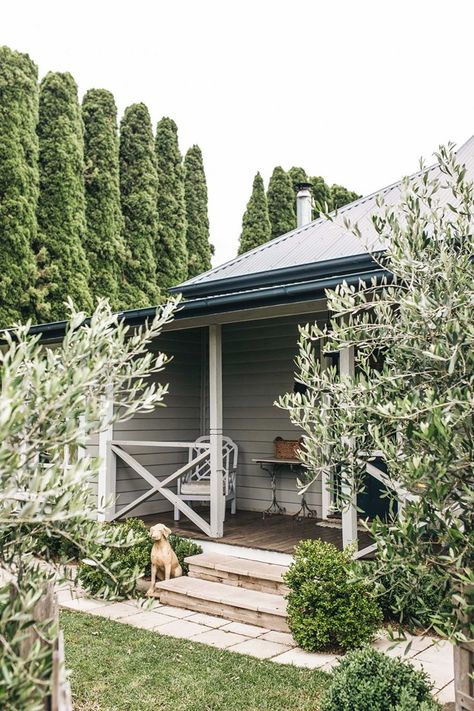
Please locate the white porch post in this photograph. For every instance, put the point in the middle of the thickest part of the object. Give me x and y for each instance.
(349, 514)
(107, 471)
(326, 479)
(215, 431)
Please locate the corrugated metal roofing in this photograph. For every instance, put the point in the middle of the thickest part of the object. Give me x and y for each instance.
(322, 240)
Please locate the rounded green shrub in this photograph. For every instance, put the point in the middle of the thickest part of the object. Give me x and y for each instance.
(367, 679)
(327, 606)
(122, 563)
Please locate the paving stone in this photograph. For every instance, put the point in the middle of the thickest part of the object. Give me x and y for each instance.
(260, 648)
(181, 628)
(115, 610)
(300, 658)
(84, 604)
(329, 666)
(392, 648)
(440, 652)
(178, 612)
(446, 695)
(279, 637)
(219, 638)
(209, 620)
(439, 671)
(246, 630)
(146, 620)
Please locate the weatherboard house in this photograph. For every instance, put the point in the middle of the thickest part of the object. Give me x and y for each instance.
(233, 343)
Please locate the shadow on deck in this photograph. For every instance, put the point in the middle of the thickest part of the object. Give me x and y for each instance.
(249, 529)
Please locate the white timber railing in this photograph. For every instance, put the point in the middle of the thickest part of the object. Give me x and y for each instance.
(161, 486)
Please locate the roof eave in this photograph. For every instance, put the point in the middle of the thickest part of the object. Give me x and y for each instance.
(275, 277)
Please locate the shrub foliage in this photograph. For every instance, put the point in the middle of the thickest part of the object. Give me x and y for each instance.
(327, 607)
(104, 236)
(128, 562)
(412, 393)
(139, 194)
(256, 227)
(18, 184)
(63, 262)
(367, 679)
(200, 250)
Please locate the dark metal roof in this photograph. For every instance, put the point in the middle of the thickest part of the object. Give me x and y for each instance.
(318, 243)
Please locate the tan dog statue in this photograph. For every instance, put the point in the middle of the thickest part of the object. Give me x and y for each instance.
(164, 563)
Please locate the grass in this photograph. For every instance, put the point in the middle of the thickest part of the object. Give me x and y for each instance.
(115, 667)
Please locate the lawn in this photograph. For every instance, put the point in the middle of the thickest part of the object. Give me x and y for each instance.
(115, 667)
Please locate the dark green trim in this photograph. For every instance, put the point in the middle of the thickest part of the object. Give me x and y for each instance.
(344, 265)
(237, 301)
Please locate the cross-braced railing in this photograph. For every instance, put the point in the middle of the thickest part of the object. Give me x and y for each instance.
(118, 447)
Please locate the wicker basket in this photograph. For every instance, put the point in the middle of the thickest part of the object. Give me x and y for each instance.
(287, 448)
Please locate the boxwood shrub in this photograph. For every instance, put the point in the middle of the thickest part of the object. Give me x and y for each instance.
(327, 607)
(367, 679)
(127, 563)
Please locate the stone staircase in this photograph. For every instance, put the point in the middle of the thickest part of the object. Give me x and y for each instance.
(238, 589)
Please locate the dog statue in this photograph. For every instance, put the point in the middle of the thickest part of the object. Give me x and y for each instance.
(164, 563)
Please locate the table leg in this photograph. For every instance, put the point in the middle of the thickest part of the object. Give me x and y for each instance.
(304, 511)
(274, 507)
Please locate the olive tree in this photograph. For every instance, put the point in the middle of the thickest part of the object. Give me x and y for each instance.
(52, 400)
(412, 394)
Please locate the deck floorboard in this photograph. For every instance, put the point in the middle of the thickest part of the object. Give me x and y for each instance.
(249, 529)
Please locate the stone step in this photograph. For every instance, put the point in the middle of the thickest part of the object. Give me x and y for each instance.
(240, 572)
(248, 606)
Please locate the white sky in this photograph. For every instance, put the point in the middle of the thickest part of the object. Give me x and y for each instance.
(355, 91)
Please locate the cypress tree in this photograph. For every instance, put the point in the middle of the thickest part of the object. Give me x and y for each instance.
(104, 238)
(171, 251)
(297, 175)
(138, 194)
(321, 193)
(199, 248)
(281, 203)
(61, 205)
(18, 184)
(341, 196)
(256, 227)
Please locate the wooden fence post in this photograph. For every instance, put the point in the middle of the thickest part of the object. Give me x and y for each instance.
(463, 676)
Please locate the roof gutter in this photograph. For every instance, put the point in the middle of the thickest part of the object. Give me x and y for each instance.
(304, 272)
(209, 305)
(273, 296)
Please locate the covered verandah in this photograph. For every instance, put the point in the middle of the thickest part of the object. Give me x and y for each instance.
(225, 376)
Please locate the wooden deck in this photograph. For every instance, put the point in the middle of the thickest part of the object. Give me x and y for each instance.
(249, 529)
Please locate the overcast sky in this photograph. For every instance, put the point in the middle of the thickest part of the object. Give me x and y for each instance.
(353, 91)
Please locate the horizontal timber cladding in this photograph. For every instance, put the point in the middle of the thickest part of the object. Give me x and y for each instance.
(91, 450)
(178, 421)
(258, 367)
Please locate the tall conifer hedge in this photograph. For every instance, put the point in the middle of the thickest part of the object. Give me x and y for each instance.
(256, 227)
(281, 203)
(171, 250)
(61, 205)
(139, 196)
(198, 245)
(104, 237)
(18, 184)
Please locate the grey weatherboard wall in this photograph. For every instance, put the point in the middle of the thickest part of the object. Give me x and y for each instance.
(258, 366)
(179, 421)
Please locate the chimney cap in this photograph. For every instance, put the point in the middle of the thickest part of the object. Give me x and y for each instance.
(303, 186)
